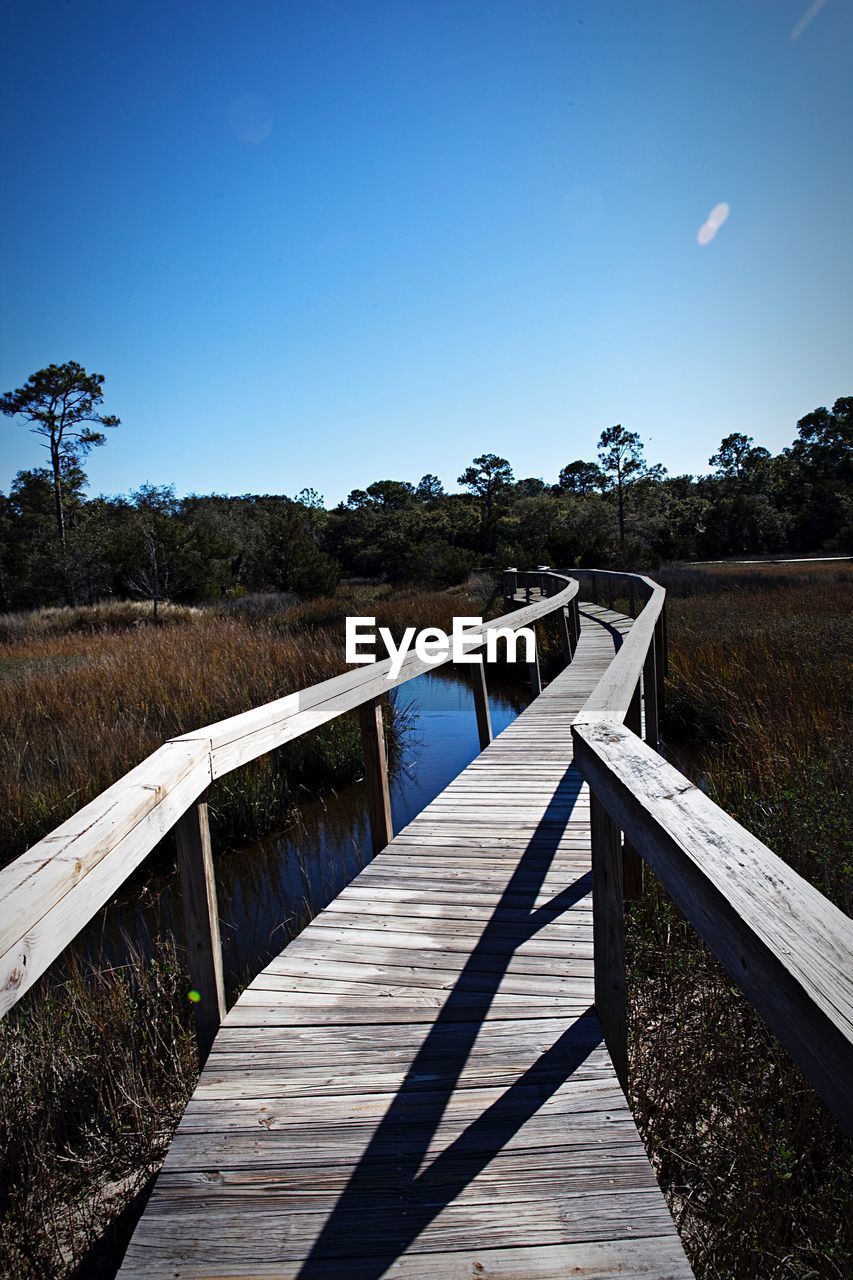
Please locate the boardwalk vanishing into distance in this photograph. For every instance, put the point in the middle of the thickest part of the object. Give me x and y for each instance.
(429, 1080)
(418, 1085)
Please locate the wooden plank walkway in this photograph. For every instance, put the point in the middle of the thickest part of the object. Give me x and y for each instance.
(417, 1086)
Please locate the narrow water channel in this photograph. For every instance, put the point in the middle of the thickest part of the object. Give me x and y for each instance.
(270, 889)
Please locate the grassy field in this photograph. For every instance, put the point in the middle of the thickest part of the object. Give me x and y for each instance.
(758, 1173)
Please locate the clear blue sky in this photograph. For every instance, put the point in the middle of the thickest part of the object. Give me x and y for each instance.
(325, 243)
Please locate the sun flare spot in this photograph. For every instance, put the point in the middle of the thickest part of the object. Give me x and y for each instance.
(712, 223)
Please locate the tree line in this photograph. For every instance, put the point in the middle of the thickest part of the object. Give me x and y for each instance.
(58, 545)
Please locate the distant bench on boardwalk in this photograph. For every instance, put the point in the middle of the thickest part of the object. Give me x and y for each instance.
(428, 1081)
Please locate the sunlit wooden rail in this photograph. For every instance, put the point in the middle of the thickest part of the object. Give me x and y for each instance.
(416, 1087)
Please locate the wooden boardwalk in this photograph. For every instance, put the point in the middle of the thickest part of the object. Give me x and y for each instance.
(417, 1086)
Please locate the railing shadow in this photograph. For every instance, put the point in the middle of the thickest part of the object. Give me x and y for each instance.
(390, 1198)
(616, 635)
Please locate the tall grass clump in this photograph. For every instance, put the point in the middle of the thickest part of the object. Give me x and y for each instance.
(95, 1071)
(758, 1173)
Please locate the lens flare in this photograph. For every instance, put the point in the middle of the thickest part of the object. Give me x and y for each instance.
(712, 223)
(807, 19)
(250, 118)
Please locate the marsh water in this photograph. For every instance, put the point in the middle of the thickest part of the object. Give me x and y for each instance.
(268, 890)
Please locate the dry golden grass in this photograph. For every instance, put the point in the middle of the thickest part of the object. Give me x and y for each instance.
(94, 1076)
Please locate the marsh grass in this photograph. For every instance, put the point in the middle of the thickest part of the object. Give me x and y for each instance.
(95, 1070)
(758, 1173)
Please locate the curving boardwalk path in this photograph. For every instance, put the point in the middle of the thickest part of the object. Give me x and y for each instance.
(417, 1087)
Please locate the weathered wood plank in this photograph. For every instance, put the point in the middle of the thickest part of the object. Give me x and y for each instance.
(648, 1259)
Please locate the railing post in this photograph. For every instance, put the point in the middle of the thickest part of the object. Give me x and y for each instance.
(576, 620)
(650, 695)
(565, 634)
(610, 591)
(608, 934)
(201, 923)
(376, 773)
(632, 863)
(477, 674)
(533, 669)
(510, 579)
(595, 588)
(660, 659)
(632, 600)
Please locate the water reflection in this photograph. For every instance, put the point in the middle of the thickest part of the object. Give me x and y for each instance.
(269, 890)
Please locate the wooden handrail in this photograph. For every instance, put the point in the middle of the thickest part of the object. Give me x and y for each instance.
(53, 890)
(787, 947)
(611, 697)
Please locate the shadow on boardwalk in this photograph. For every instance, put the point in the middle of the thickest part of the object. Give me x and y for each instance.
(389, 1199)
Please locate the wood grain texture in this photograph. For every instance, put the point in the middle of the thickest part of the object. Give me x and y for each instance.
(51, 892)
(421, 1072)
(785, 945)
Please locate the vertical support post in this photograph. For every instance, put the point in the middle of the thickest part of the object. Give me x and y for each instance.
(477, 675)
(632, 863)
(201, 923)
(610, 591)
(576, 617)
(595, 588)
(632, 599)
(650, 696)
(533, 670)
(376, 773)
(565, 634)
(527, 588)
(608, 933)
(659, 665)
(510, 586)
